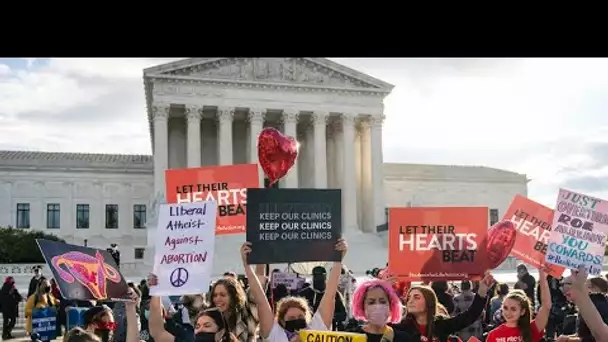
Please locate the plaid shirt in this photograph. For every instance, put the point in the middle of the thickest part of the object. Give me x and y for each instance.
(462, 302)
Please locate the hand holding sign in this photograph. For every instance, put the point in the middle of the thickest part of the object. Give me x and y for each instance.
(342, 247)
(152, 279)
(579, 279)
(245, 250)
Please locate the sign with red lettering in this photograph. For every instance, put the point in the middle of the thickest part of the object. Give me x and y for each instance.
(532, 222)
(227, 185)
(437, 243)
(185, 243)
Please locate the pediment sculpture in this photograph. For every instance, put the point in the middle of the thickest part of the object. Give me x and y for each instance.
(287, 70)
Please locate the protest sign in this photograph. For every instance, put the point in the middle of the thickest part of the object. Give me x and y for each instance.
(84, 273)
(227, 185)
(578, 238)
(290, 280)
(185, 241)
(437, 243)
(285, 225)
(533, 224)
(44, 323)
(330, 336)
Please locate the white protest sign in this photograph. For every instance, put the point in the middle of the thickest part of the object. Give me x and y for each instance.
(290, 280)
(185, 241)
(580, 225)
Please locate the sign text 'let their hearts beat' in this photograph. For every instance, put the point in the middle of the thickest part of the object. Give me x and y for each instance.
(185, 243)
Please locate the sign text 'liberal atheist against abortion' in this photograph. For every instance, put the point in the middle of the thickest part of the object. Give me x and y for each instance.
(293, 225)
(185, 242)
(227, 185)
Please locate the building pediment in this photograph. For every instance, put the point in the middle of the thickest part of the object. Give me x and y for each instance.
(304, 71)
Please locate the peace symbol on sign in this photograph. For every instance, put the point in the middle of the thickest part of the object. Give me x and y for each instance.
(179, 277)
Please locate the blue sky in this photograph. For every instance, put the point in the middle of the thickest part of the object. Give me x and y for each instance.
(542, 117)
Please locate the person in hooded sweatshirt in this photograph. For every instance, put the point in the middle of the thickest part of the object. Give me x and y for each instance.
(597, 289)
(314, 293)
(423, 320)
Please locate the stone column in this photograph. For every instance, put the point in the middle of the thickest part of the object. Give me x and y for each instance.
(367, 198)
(161, 146)
(349, 185)
(338, 153)
(290, 122)
(256, 124)
(225, 117)
(331, 157)
(320, 148)
(193, 115)
(377, 166)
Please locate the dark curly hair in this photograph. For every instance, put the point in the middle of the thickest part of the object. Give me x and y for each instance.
(237, 295)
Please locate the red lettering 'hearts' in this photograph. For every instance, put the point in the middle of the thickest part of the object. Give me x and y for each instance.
(277, 153)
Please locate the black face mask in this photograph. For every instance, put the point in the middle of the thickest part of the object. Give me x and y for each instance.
(295, 325)
(318, 282)
(103, 334)
(204, 337)
(47, 289)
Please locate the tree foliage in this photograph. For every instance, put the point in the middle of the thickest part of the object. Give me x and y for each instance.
(19, 245)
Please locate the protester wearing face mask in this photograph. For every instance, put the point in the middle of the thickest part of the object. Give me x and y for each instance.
(314, 293)
(376, 303)
(210, 326)
(99, 320)
(42, 298)
(293, 313)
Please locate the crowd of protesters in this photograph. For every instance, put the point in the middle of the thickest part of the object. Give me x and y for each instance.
(248, 308)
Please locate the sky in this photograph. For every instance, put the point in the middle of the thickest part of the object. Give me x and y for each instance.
(541, 117)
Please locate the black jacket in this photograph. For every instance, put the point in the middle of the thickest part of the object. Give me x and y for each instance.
(314, 299)
(33, 285)
(601, 304)
(400, 336)
(9, 301)
(445, 326)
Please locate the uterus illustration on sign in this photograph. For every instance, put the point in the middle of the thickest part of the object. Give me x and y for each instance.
(91, 272)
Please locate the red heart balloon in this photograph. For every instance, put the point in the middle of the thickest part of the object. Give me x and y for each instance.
(501, 238)
(277, 153)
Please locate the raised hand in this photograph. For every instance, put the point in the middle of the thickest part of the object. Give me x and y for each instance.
(132, 304)
(485, 284)
(342, 246)
(245, 250)
(579, 279)
(152, 279)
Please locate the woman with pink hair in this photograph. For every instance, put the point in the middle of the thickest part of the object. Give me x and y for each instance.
(376, 304)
